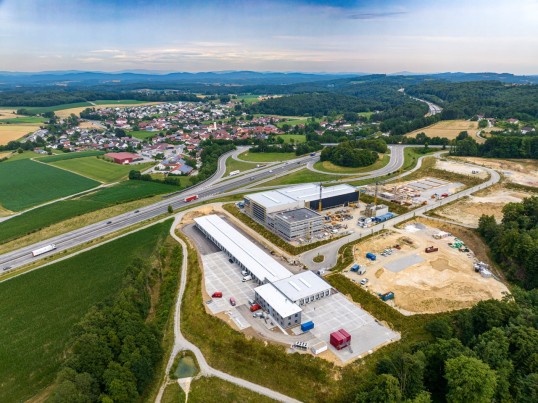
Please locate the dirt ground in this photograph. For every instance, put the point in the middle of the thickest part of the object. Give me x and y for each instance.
(89, 125)
(489, 201)
(15, 131)
(459, 168)
(444, 281)
(523, 172)
(189, 217)
(449, 129)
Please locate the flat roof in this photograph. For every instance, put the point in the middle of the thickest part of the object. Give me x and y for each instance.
(299, 214)
(259, 263)
(304, 192)
(278, 301)
(302, 285)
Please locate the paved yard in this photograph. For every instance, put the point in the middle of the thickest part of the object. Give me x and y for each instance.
(337, 312)
(403, 263)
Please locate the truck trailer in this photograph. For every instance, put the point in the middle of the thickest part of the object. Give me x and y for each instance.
(190, 198)
(44, 249)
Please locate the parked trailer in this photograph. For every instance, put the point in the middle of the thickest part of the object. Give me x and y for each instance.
(44, 249)
(431, 249)
(190, 198)
(371, 256)
(387, 296)
(305, 327)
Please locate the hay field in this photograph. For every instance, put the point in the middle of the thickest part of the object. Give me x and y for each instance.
(10, 132)
(8, 114)
(449, 129)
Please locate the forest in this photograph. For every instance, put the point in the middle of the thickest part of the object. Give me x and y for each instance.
(496, 147)
(299, 149)
(354, 154)
(514, 242)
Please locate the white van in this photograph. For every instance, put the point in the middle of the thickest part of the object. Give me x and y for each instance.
(247, 278)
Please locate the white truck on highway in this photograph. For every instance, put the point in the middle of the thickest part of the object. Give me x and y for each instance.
(44, 249)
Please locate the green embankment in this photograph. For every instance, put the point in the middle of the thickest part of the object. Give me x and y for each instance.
(40, 308)
(27, 183)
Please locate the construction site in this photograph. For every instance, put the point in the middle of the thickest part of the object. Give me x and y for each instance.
(423, 270)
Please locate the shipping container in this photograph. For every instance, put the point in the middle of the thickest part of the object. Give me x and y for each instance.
(387, 296)
(319, 348)
(305, 327)
(254, 308)
(338, 340)
(217, 294)
(371, 256)
(346, 335)
(355, 267)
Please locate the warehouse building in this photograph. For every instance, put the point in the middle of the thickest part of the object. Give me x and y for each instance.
(262, 267)
(294, 224)
(283, 310)
(303, 288)
(280, 209)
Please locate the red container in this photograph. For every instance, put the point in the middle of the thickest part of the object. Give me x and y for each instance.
(338, 340)
(217, 294)
(254, 308)
(346, 335)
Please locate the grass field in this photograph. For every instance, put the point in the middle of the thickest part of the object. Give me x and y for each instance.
(173, 394)
(301, 176)
(14, 132)
(215, 390)
(53, 213)
(23, 120)
(99, 169)
(449, 129)
(327, 166)
(248, 99)
(39, 309)
(121, 101)
(266, 157)
(70, 156)
(142, 134)
(27, 183)
(234, 165)
(66, 112)
(297, 138)
(43, 109)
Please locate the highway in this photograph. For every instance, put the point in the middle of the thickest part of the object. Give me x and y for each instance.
(207, 190)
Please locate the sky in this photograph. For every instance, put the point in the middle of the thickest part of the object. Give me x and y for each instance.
(373, 36)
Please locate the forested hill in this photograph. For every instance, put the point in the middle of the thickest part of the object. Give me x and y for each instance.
(490, 98)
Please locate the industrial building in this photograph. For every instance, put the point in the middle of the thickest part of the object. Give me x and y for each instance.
(290, 211)
(281, 293)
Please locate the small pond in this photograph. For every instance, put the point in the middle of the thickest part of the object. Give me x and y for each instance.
(186, 368)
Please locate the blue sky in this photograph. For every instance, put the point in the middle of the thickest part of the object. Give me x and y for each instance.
(275, 35)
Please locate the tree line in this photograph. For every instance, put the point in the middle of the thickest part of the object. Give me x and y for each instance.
(496, 147)
(264, 146)
(359, 153)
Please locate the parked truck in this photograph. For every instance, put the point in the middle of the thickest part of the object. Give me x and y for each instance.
(431, 249)
(190, 198)
(371, 256)
(44, 249)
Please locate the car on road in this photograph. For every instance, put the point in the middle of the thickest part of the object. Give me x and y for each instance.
(232, 301)
(6, 268)
(230, 260)
(137, 211)
(270, 171)
(364, 281)
(108, 222)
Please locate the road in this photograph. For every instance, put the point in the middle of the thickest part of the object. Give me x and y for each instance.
(207, 190)
(330, 250)
(180, 343)
(434, 109)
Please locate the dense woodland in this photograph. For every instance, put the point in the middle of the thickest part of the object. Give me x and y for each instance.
(358, 153)
(496, 147)
(514, 242)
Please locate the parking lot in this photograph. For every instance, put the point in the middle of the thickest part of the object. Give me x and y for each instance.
(337, 312)
(221, 275)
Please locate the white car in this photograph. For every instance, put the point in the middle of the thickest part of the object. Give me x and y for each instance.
(364, 281)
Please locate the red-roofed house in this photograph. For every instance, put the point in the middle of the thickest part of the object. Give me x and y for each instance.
(123, 158)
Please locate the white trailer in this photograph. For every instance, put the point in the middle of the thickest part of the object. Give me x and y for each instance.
(44, 249)
(235, 172)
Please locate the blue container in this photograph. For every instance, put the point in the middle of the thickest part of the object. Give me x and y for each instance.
(355, 267)
(305, 327)
(371, 256)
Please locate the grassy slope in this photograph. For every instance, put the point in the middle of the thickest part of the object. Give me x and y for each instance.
(27, 183)
(45, 216)
(266, 157)
(298, 138)
(327, 166)
(39, 309)
(99, 169)
(211, 389)
(301, 176)
(233, 165)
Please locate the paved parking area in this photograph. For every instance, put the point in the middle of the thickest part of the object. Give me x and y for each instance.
(403, 263)
(226, 277)
(337, 312)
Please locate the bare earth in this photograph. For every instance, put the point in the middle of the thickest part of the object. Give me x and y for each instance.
(523, 172)
(457, 167)
(449, 129)
(444, 281)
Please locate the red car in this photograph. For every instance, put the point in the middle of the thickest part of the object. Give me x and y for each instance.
(216, 294)
(254, 308)
(232, 301)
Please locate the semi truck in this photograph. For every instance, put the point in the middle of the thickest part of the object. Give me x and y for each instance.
(190, 198)
(44, 249)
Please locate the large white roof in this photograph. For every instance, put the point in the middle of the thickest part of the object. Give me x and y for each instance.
(304, 192)
(259, 263)
(278, 301)
(302, 285)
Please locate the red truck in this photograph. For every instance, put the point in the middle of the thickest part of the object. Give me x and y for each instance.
(444, 195)
(254, 308)
(190, 198)
(217, 294)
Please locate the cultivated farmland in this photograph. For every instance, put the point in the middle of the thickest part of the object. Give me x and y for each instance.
(53, 213)
(40, 308)
(11, 132)
(27, 183)
(449, 129)
(99, 169)
(70, 156)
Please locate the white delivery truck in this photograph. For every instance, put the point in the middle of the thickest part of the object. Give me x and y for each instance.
(44, 249)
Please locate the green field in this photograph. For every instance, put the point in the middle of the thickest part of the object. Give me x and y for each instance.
(43, 109)
(99, 169)
(40, 308)
(327, 166)
(297, 138)
(121, 101)
(27, 183)
(70, 156)
(266, 157)
(53, 213)
(142, 134)
(209, 389)
(234, 165)
(301, 176)
(248, 99)
(23, 119)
